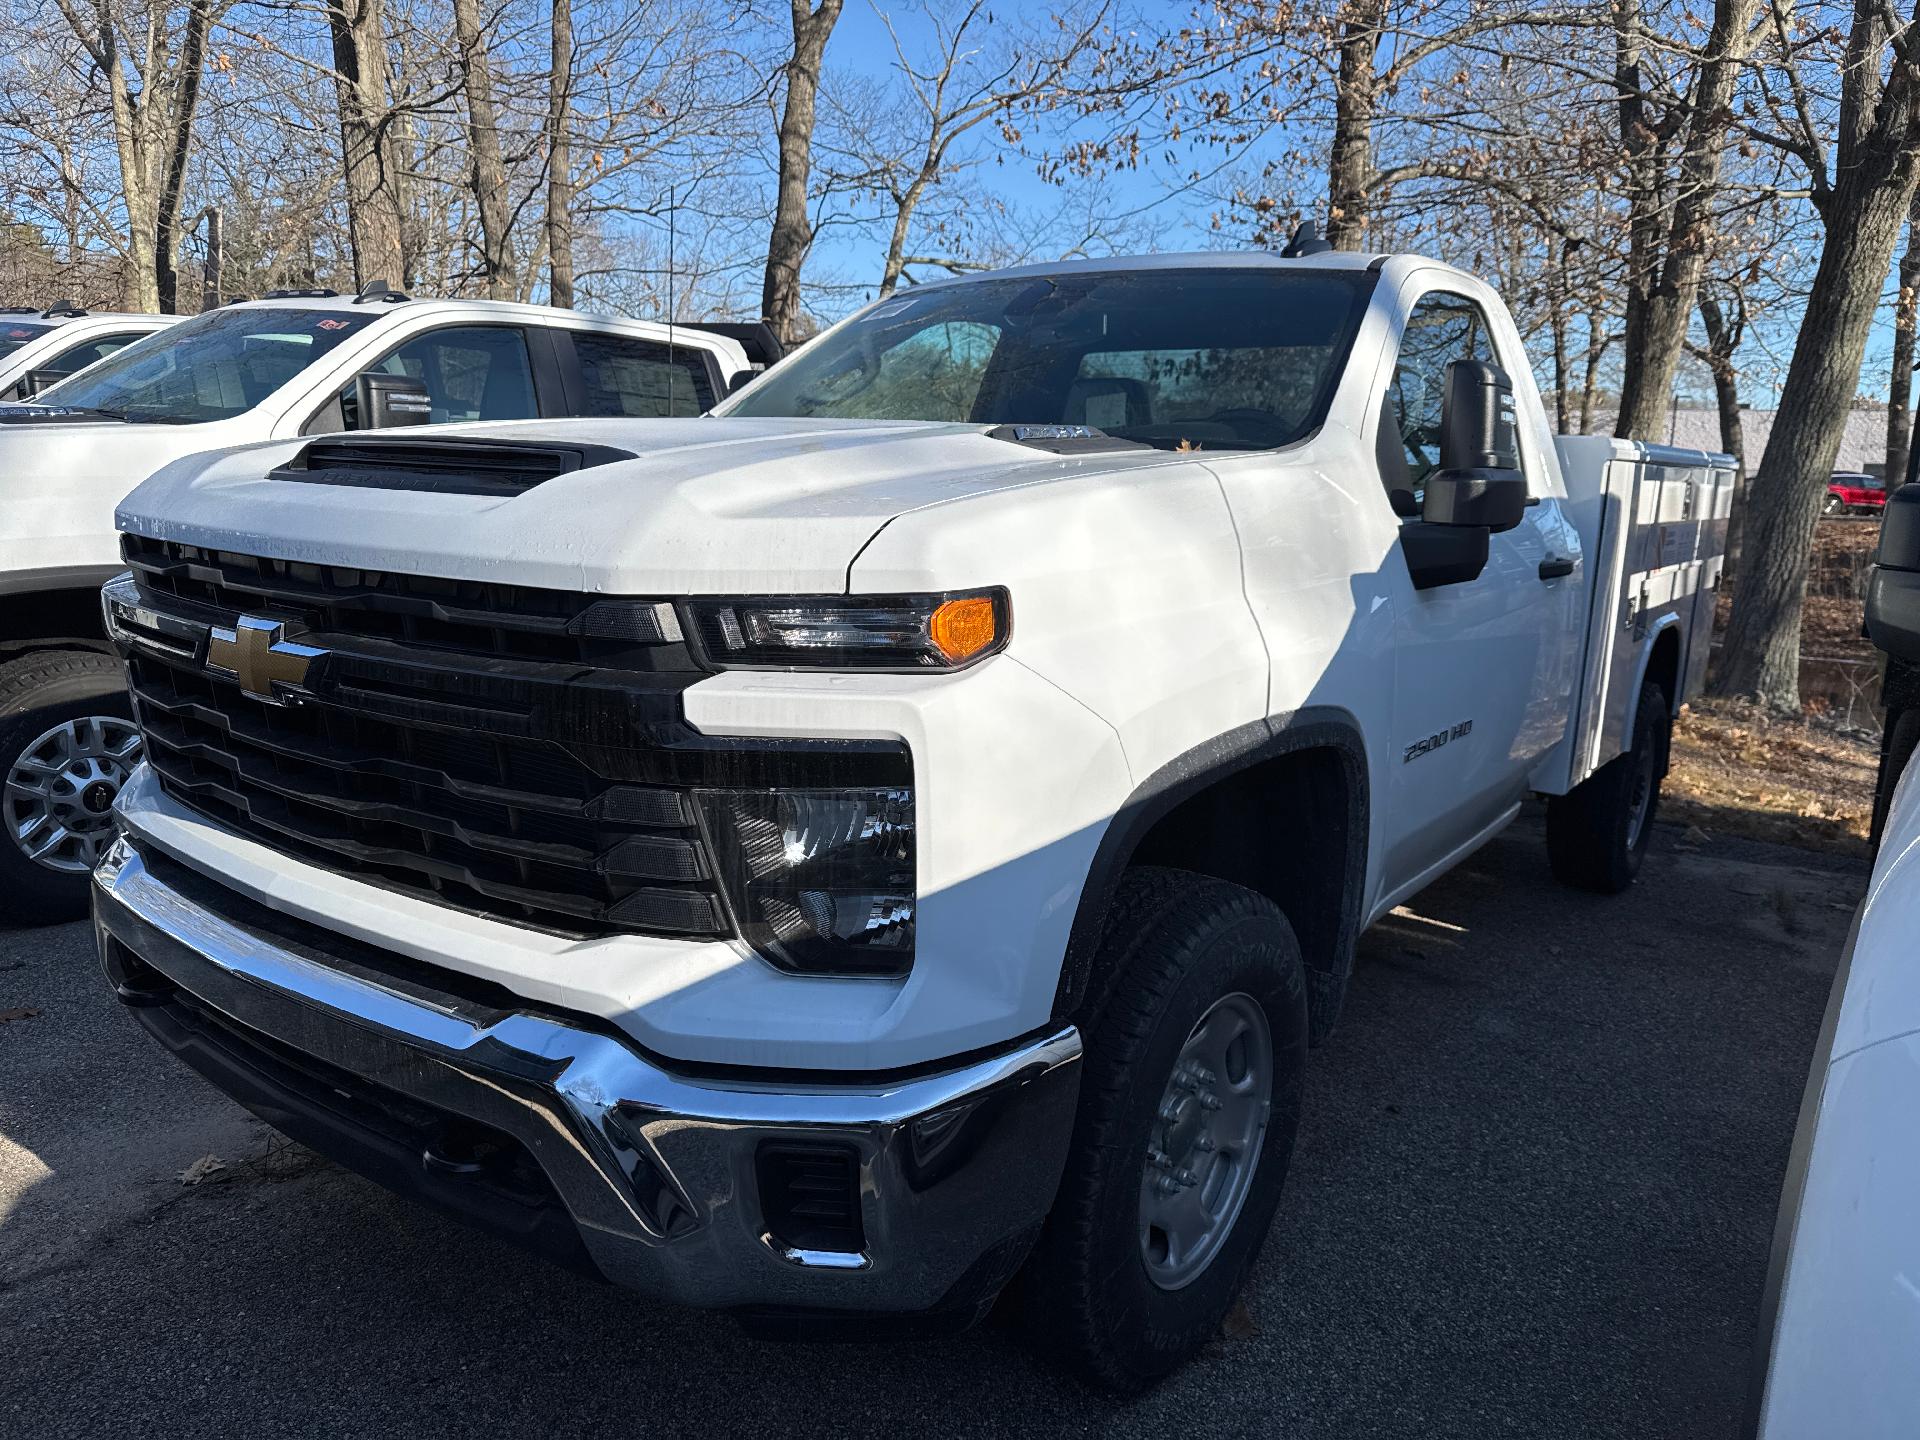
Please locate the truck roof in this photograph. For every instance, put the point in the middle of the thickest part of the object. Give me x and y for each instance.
(498, 310)
(1341, 260)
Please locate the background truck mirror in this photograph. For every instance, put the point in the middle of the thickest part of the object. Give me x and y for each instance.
(1893, 592)
(739, 379)
(34, 381)
(388, 400)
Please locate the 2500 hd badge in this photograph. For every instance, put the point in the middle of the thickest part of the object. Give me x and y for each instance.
(1436, 740)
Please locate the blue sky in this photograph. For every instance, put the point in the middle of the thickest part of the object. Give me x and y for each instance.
(861, 46)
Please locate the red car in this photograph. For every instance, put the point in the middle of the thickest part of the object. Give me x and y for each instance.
(1851, 493)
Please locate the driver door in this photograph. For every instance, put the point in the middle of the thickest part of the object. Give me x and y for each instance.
(1483, 669)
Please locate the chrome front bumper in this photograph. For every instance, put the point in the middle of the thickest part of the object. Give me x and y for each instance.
(655, 1170)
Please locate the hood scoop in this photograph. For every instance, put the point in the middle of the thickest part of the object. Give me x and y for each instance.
(446, 467)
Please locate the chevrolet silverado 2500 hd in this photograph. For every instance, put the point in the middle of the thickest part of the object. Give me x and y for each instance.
(906, 828)
(301, 363)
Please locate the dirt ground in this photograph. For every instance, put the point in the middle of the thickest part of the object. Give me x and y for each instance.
(1809, 782)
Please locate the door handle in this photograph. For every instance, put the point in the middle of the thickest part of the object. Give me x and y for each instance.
(1554, 566)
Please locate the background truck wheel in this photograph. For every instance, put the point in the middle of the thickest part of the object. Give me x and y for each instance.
(1188, 1105)
(1597, 833)
(67, 745)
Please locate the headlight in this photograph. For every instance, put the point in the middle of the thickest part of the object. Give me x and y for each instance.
(820, 881)
(842, 632)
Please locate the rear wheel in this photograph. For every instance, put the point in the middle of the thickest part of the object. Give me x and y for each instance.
(1188, 1105)
(1597, 833)
(67, 745)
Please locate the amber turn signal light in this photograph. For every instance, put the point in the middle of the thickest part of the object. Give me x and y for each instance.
(963, 628)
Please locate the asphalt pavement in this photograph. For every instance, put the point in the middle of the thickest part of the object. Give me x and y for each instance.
(1533, 1196)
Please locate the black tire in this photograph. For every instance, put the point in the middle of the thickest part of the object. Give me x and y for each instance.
(1834, 506)
(1177, 944)
(1597, 833)
(38, 693)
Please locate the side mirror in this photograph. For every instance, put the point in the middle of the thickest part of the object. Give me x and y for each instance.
(739, 380)
(389, 400)
(34, 381)
(1479, 481)
(1893, 590)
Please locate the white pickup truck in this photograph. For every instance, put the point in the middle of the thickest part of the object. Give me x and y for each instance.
(824, 858)
(297, 363)
(40, 348)
(1840, 1318)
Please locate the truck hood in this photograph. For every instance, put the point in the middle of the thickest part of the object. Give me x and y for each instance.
(707, 506)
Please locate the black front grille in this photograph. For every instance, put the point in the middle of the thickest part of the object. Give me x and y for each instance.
(427, 752)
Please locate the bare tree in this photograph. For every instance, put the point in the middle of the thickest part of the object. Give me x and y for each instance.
(1669, 237)
(491, 195)
(376, 204)
(1862, 193)
(792, 234)
(559, 221)
(151, 64)
(1726, 326)
(1900, 376)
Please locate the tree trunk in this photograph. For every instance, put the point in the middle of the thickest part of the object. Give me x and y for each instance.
(490, 192)
(560, 159)
(1723, 340)
(792, 232)
(375, 209)
(1863, 216)
(1590, 382)
(1350, 170)
(1661, 301)
(1900, 380)
(186, 100)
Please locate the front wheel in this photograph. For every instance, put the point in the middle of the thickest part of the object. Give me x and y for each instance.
(1597, 833)
(67, 745)
(1834, 506)
(1189, 1101)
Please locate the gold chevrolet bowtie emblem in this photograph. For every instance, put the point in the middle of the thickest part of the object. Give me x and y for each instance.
(254, 654)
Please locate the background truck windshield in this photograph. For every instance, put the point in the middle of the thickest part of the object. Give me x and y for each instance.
(15, 333)
(212, 367)
(1226, 359)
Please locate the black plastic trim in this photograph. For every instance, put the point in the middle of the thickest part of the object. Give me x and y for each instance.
(392, 1141)
(1310, 728)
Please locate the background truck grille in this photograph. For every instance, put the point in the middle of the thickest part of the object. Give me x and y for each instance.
(461, 742)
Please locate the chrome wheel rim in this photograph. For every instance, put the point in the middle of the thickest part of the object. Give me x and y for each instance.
(58, 806)
(1206, 1139)
(1642, 799)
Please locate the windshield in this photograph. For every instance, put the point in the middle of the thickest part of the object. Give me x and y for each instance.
(1180, 357)
(212, 367)
(15, 333)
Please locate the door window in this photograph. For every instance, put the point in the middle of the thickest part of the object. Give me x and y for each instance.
(1442, 328)
(627, 376)
(472, 372)
(81, 356)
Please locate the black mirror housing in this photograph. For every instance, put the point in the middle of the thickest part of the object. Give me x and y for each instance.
(1479, 481)
(34, 381)
(1496, 499)
(386, 401)
(1893, 590)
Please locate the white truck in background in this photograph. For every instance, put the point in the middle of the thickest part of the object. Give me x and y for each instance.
(1840, 1325)
(305, 362)
(40, 348)
(905, 829)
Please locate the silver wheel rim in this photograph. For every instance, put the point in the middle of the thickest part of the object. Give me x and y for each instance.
(1206, 1139)
(60, 791)
(1642, 799)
